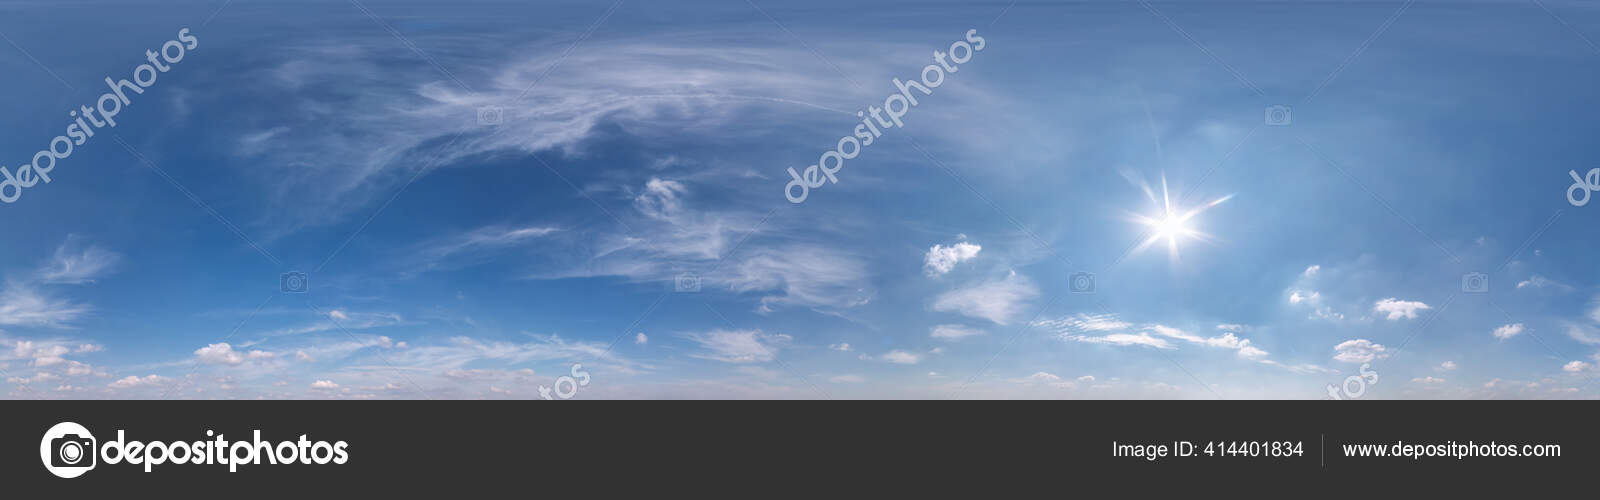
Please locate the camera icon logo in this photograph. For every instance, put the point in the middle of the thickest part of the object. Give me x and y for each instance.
(687, 283)
(491, 115)
(293, 282)
(1475, 283)
(68, 450)
(1082, 283)
(1280, 115)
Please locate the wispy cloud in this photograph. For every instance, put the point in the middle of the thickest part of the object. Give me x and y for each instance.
(739, 346)
(77, 263)
(997, 301)
(954, 332)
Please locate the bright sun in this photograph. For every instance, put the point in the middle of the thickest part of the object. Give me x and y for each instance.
(1173, 224)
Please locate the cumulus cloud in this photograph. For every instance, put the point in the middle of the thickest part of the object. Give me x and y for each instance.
(224, 354)
(1447, 366)
(941, 259)
(1575, 367)
(847, 379)
(1428, 380)
(842, 347)
(1508, 331)
(1359, 351)
(641, 339)
(1396, 309)
(1297, 297)
(130, 382)
(324, 384)
(998, 301)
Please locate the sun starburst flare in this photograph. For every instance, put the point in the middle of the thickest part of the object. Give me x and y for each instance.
(1173, 223)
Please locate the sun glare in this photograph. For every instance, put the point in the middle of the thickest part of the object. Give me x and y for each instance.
(1174, 224)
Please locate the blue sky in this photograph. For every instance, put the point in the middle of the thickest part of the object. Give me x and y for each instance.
(641, 143)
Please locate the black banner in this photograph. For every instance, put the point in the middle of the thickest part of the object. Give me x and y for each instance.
(468, 449)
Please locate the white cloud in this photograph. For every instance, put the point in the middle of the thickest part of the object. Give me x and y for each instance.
(1251, 352)
(1312, 271)
(844, 347)
(74, 264)
(1296, 297)
(460, 352)
(954, 332)
(1575, 367)
(941, 259)
(1327, 313)
(660, 199)
(806, 275)
(1397, 309)
(1084, 328)
(24, 305)
(1508, 331)
(739, 346)
(641, 338)
(997, 301)
(324, 384)
(902, 357)
(1044, 377)
(223, 354)
(1084, 323)
(132, 382)
(342, 320)
(1123, 339)
(1428, 380)
(1447, 366)
(455, 250)
(639, 86)
(847, 379)
(1359, 351)
(36, 378)
(1538, 282)
(524, 375)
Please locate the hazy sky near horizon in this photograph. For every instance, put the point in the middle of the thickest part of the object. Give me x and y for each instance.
(482, 195)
